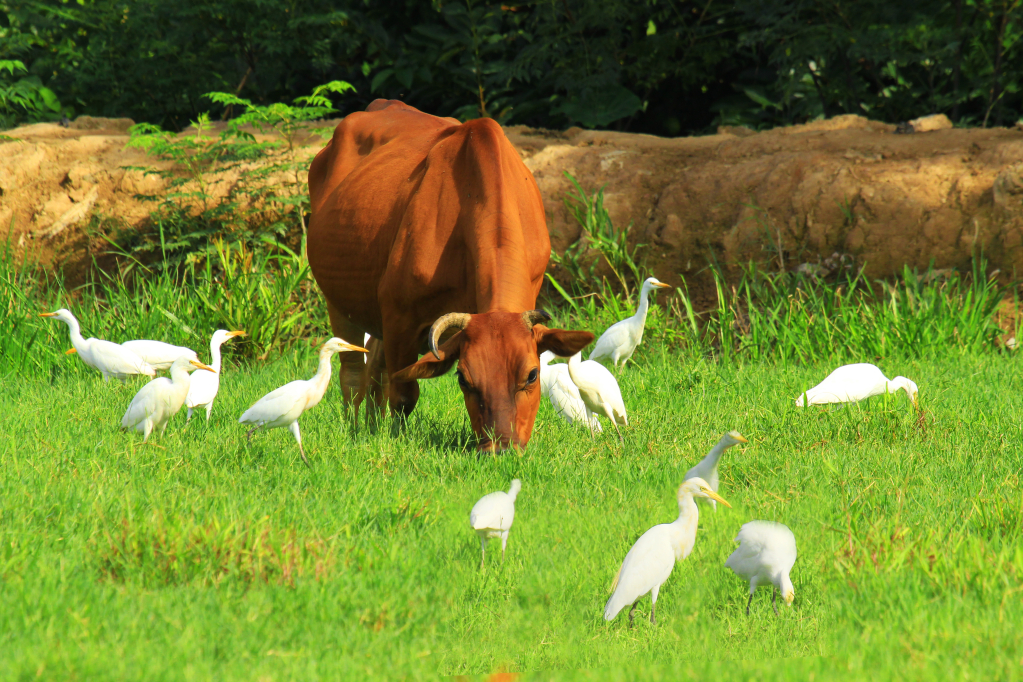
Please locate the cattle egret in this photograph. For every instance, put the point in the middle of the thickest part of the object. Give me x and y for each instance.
(205, 384)
(111, 359)
(651, 560)
(707, 469)
(158, 354)
(620, 340)
(492, 517)
(765, 555)
(557, 385)
(853, 383)
(160, 399)
(284, 406)
(598, 390)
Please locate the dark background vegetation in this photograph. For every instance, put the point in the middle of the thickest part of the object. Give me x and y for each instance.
(667, 67)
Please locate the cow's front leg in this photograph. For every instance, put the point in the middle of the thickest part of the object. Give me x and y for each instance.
(353, 365)
(400, 352)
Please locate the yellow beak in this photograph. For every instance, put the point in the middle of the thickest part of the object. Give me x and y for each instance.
(351, 347)
(662, 285)
(741, 439)
(714, 496)
(202, 366)
(240, 332)
(47, 314)
(70, 352)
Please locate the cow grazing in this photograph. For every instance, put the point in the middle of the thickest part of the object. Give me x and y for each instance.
(430, 235)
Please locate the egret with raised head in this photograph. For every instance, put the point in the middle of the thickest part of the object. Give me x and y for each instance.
(109, 358)
(619, 342)
(651, 560)
(160, 399)
(707, 469)
(284, 406)
(205, 384)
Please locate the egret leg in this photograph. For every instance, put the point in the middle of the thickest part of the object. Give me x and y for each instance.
(632, 613)
(252, 431)
(483, 552)
(189, 417)
(147, 428)
(209, 411)
(298, 437)
(615, 424)
(749, 602)
(774, 600)
(653, 607)
(504, 544)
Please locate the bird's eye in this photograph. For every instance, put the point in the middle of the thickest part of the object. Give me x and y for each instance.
(462, 381)
(533, 374)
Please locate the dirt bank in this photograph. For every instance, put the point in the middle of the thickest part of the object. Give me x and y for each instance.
(783, 197)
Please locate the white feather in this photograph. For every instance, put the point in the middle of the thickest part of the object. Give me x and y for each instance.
(853, 383)
(619, 342)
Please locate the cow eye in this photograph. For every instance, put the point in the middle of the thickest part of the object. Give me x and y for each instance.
(461, 380)
(533, 374)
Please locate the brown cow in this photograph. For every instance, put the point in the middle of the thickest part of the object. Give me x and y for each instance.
(423, 226)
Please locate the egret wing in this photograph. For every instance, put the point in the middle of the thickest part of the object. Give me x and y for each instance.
(564, 396)
(115, 359)
(143, 405)
(648, 564)
(203, 388)
(492, 511)
(277, 404)
(617, 335)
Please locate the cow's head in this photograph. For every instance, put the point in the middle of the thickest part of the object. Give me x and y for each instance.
(498, 368)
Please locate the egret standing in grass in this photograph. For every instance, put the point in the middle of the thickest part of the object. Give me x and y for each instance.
(284, 406)
(557, 385)
(765, 555)
(651, 560)
(853, 383)
(599, 391)
(109, 358)
(619, 342)
(205, 384)
(707, 469)
(158, 354)
(492, 517)
(160, 399)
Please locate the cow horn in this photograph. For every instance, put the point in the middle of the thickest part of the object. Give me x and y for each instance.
(531, 317)
(444, 322)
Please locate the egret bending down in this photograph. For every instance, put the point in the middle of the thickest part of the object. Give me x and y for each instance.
(707, 469)
(158, 354)
(620, 340)
(557, 385)
(205, 384)
(284, 406)
(160, 399)
(651, 560)
(765, 555)
(599, 391)
(109, 358)
(853, 383)
(492, 517)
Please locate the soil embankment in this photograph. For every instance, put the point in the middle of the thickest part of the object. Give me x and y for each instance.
(784, 197)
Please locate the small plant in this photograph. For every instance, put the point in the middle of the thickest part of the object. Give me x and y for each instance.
(25, 99)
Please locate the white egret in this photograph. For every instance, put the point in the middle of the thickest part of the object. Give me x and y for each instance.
(109, 358)
(599, 391)
(557, 385)
(160, 399)
(765, 555)
(707, 469)
(284, 406)
(492, 517)
(853, 383)
(205, 384)
(651, 560)
(620, 340)
(158, 354)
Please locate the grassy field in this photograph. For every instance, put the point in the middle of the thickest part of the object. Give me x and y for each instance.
(202, 557)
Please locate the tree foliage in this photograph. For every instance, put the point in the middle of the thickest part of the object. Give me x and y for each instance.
(659, 66)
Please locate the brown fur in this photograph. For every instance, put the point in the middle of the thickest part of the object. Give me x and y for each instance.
(415, 216)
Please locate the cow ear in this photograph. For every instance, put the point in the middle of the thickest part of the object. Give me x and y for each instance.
(561, 342)
(429, 366)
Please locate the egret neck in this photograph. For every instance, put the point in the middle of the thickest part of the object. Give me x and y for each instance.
(320, 380)
(644, 303)
(714, 456)
(77, 341)
(179, 382)
(683, 529)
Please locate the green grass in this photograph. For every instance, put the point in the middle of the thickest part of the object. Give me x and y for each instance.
(203, 557)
